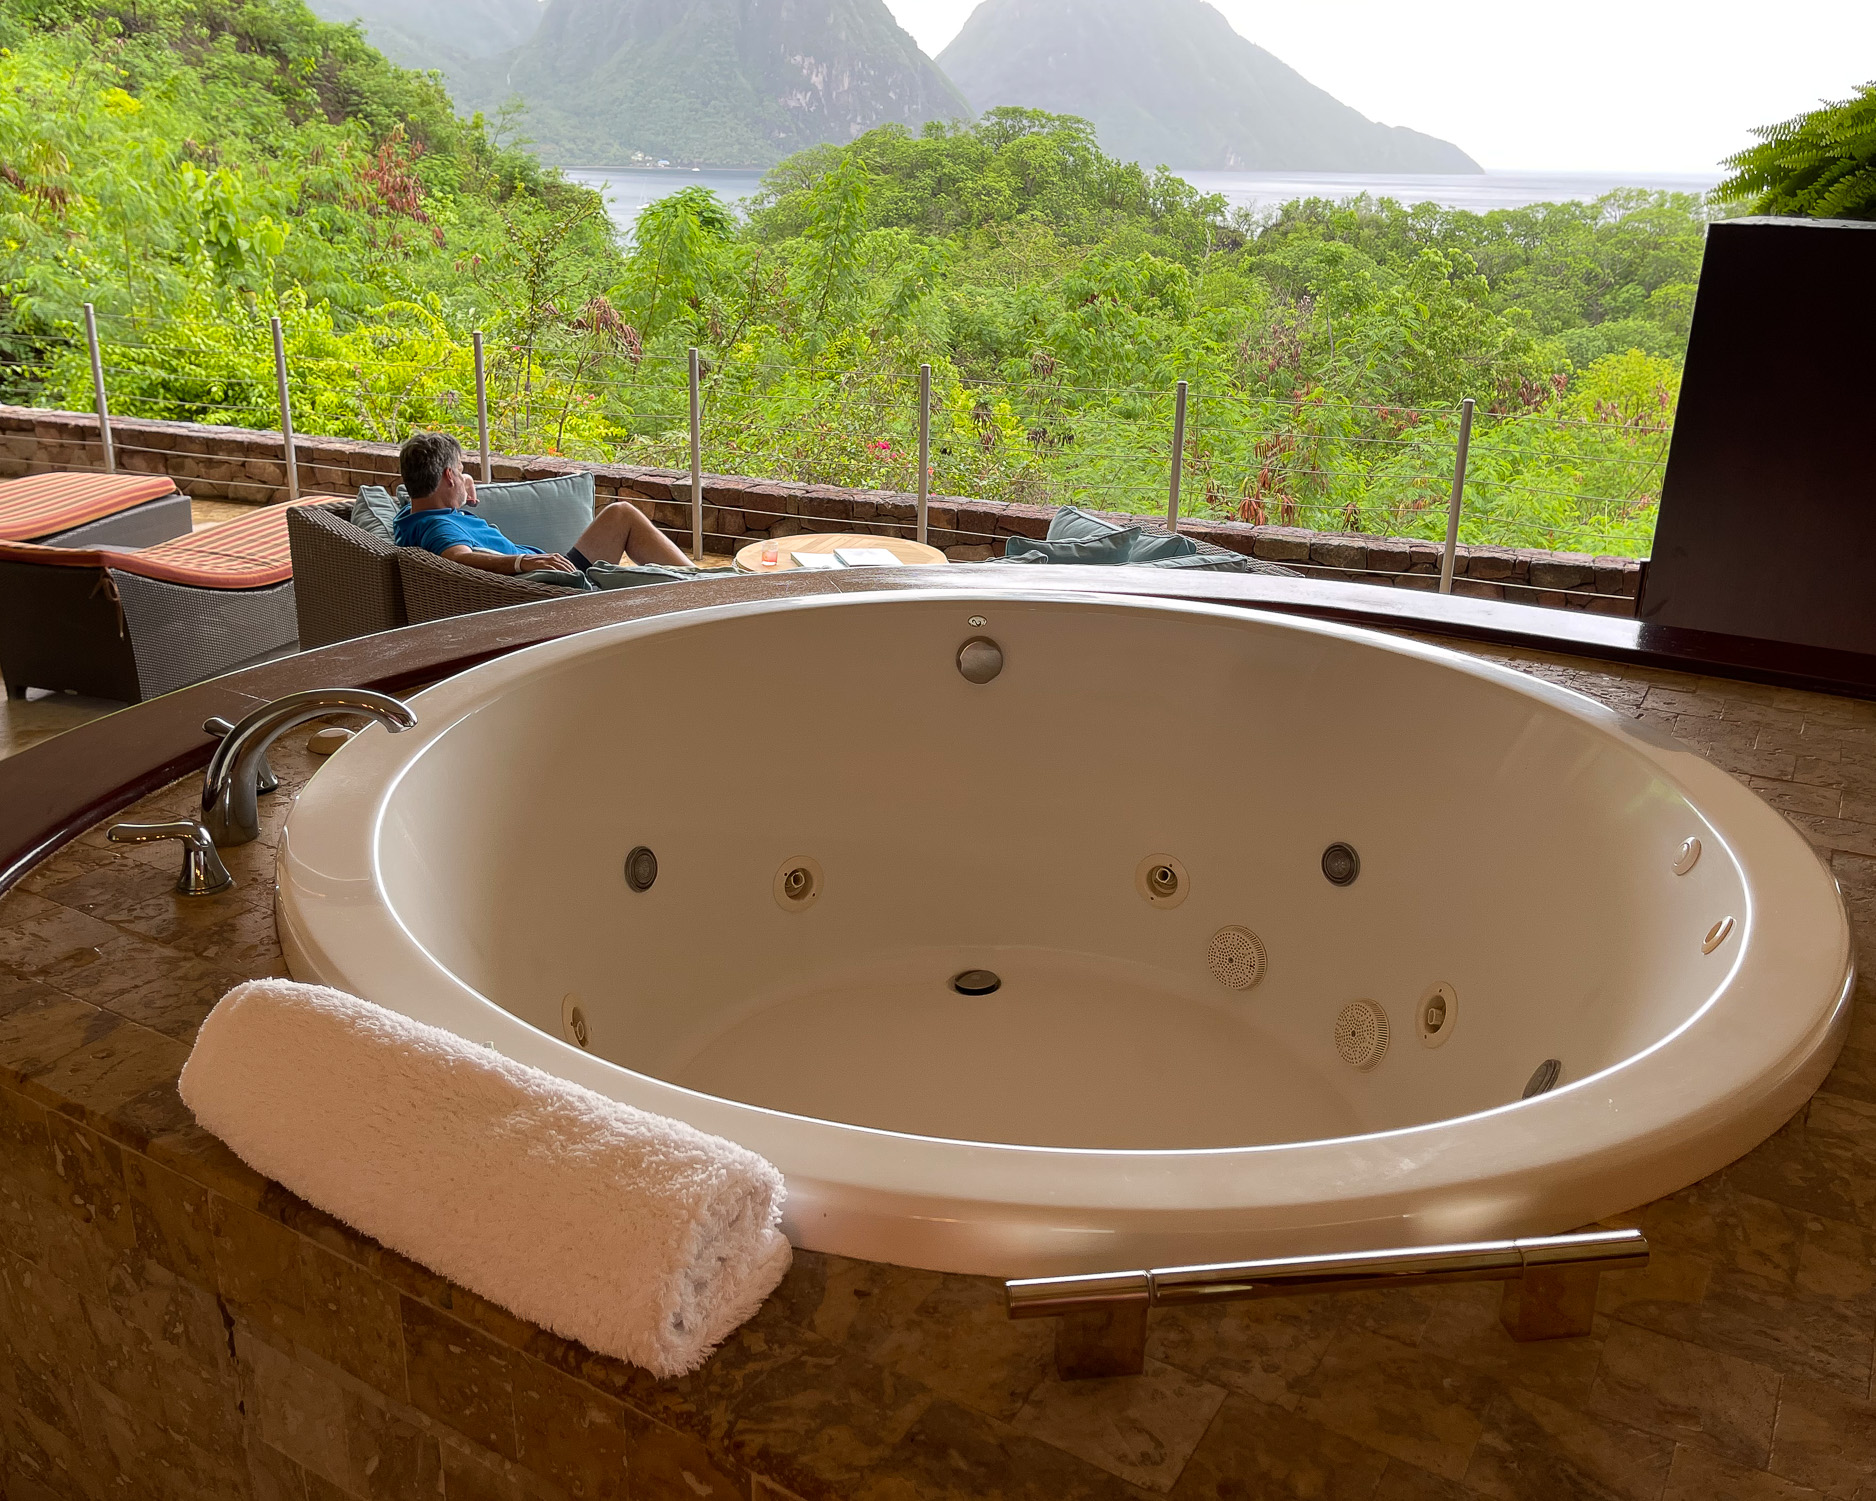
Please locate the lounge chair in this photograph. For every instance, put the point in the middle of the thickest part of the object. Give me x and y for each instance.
(92, 510)
(132, 624)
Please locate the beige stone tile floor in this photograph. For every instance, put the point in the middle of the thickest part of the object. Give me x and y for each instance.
(1739, 1364)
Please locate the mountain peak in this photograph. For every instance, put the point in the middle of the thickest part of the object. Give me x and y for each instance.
(1170, 81)
(716, 82)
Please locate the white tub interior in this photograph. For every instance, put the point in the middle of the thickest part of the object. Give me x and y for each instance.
(1509, 847)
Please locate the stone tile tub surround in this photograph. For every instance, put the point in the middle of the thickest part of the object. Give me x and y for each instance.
(245, 464)
(176, 1326)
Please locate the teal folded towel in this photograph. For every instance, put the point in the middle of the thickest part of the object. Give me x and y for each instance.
(1075, 536)
(637, 575)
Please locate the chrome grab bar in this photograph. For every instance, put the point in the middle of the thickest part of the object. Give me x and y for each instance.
(1551, 1283)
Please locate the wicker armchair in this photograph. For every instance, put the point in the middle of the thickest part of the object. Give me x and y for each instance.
(435, 588)
(350, 583)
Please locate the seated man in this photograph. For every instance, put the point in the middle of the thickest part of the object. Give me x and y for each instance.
(435, 520)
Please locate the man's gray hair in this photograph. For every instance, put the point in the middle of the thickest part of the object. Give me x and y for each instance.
(423, 460)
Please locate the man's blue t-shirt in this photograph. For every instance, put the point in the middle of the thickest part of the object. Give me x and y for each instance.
(435, 531)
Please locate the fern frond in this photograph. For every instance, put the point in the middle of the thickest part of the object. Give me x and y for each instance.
(1821, 164)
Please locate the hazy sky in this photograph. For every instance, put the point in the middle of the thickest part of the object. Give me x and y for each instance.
(1645, 85)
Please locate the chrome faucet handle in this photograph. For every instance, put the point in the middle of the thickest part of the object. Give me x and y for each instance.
(203, 874)
(221, 729)
(232, 783)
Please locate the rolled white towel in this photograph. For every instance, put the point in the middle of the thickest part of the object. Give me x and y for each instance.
(640, 1237)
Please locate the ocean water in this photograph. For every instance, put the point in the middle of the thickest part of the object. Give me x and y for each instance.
(1477, 191)
(628, 190)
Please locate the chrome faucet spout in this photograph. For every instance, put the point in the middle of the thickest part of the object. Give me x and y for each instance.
(230, 809)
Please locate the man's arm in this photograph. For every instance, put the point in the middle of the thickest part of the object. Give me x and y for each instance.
(510, 563)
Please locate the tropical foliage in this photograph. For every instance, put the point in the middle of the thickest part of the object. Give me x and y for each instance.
(197, 169)
(1818, 165)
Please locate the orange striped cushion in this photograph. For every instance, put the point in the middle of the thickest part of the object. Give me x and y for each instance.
(248, 553)
(37, 505)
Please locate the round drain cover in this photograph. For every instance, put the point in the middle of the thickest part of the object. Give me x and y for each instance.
(641, 868)
(1544, 1078)
(1341, 864)
(1361, 1034)
(1236, 957)
(976, 982)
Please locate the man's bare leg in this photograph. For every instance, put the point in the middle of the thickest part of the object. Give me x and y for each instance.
(623, 531)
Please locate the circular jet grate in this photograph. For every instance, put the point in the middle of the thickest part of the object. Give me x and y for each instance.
(1236, 957)
(1361, 1034)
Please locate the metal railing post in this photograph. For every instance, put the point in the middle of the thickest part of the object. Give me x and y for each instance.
(1459, 491)
(482, 409)
(1179, 458)
(286, 415)
(696, 457)
(97, 390)
(924, 447)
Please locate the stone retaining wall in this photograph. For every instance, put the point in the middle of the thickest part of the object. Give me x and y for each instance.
(242, 464)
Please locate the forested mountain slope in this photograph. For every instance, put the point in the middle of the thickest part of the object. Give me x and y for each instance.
(1170, 81)
(194, 167)
(441, 34)
(714, 82)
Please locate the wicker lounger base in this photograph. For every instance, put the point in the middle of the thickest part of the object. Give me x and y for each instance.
(61, 629)
(180, 634)
(141, 526)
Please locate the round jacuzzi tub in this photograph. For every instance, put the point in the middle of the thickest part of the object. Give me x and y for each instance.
(1035, 934)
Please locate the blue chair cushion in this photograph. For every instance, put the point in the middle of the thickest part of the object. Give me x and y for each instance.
(375, 510)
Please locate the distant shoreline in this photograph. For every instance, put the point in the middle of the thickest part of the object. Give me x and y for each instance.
(629, 190)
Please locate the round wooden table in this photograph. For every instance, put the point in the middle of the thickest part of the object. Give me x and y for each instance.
(749, 559)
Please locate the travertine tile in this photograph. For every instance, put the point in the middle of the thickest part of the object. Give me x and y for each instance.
(352, 1319)
(1254, 1449)
(1701, 1475)
(1259, 1348)
(1686, 1392)
(1405, 1482)
(1465, 1326)
(36, 933)
(111, 1068)
(461, 1378)
(302, 1413)
(1825, 1439)
(1421, 1408)
(955, 1454)
(1534, 1449)
(959, 1340)
(1142, 1428)
(660, 1461)
(829, 1413)
(40, 1025)
(568, 1434)
(1798, 797)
